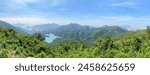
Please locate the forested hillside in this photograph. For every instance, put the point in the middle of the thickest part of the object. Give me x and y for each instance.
(132, 45)
(7, 25)
(86, 33)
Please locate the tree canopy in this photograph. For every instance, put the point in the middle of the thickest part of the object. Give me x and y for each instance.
(15, 45)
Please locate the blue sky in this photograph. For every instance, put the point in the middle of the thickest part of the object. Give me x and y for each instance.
(87, 12)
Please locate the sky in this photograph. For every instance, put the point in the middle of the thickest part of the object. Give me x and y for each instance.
(85, 12)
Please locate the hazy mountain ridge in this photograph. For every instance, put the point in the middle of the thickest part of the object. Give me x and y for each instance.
(86, 33)
(72, 30)
(37, 28)
(134, 46)
(7, 25)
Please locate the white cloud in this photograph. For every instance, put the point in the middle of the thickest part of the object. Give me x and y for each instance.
(35, 20)
(57, 2)
(24, 1)
(25, 20)
(127, 3)
(17, 5)
(120, 3)
(21, 1)
(138, 22)
(133, 22)
(52, 2)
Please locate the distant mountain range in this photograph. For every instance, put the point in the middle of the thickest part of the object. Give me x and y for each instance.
(36, 28)
(45, 27)
(86, 33)
(70, 31)
(7, 25)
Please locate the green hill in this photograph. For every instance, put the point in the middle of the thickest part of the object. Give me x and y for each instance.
(16, 45)
(86, 33)
(13, 44)
(7, 25)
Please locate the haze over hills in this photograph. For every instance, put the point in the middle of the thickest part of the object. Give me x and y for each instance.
(7, 25)
(76, 31)
(71, 31)
(51, 26)
(36, 28)
(55, 28)
(83, 33)
(44, 27)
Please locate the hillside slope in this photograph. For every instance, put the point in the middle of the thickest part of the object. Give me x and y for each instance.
(86, 33)
(7, 25)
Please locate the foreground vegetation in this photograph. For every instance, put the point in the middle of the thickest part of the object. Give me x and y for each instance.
(131, 45)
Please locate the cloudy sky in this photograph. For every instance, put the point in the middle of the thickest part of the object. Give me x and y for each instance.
(87, 12)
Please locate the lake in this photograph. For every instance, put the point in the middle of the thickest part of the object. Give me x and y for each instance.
(50, 38)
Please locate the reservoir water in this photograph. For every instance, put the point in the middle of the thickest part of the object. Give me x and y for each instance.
(50, 38)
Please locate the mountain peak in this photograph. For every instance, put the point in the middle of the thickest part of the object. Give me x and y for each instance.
(73, 24)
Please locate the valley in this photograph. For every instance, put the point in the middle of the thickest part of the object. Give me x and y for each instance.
(72, 41)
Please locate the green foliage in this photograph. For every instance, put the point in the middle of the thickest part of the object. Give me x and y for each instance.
(4, 54)
(39, 36)
(88, 34)
(41, 55)
(9, 26)
(132, 45)
(148, 29)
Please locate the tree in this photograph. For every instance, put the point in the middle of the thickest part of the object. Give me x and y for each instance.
(41, 55)
(39, 36)
(4, 54)
(148, 29)
(148, 32)
(104, 44)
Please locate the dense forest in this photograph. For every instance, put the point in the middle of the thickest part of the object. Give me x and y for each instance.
(133, 44)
